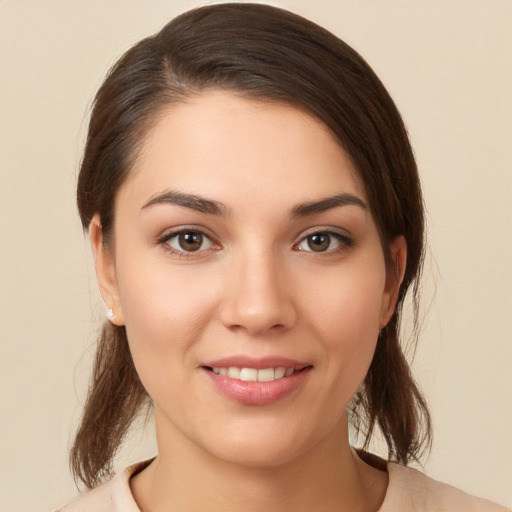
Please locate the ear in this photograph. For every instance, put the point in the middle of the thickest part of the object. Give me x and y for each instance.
(105, 271)
(394, 278)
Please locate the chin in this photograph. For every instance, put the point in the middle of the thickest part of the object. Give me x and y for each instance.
(267, 445)
(258, 455)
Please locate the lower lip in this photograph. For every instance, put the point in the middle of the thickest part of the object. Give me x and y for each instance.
(257, 393)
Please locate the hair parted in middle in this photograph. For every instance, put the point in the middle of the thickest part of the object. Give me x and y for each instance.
(270, 55)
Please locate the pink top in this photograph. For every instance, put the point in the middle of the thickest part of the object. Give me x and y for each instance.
(408, 491)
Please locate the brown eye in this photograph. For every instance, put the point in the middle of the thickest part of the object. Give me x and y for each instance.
(188, 241)
(318, 242)
(324, 241)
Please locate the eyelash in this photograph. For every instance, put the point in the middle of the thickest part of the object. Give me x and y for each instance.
(169, 236)
(344, 242)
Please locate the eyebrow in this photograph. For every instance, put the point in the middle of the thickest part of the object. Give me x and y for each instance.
(309, 208)
(212, 207)
(191, 201)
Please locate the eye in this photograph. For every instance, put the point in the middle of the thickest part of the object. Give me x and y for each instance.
(187, 241)
(323, 241)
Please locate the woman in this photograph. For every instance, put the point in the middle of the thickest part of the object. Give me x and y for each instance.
(256, 218)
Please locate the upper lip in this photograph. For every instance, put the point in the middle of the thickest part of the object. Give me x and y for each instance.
(258, 363)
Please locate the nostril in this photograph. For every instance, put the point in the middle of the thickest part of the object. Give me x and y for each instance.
(257, 303)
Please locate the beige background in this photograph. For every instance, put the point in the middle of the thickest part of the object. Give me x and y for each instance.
(447, 64)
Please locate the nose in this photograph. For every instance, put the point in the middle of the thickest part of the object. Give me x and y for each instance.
(258, 295)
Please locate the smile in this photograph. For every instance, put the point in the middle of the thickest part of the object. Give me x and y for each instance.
(253, 374)
(256, 381)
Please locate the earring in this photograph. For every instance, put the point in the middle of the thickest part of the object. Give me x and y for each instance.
(385, 320)
(110, 315)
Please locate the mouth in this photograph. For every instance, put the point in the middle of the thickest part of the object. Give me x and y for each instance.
(255, 374)
(256, 381)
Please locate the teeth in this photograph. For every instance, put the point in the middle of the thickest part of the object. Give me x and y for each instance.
(234, 373)
(266, 375)
(280, 373)
(253, 375)
(249, 374)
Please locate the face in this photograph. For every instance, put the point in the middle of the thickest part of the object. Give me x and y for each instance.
(249, 273)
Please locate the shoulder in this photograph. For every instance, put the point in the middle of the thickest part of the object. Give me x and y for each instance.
(411, 490)
(113, 496)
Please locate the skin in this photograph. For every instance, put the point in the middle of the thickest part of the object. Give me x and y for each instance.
(254, 287)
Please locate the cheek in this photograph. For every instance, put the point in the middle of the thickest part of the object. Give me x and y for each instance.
(346, 319)
(347, 302)
(165, 311)
(157, 295)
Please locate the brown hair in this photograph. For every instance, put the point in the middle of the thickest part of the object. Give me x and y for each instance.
(269, 54)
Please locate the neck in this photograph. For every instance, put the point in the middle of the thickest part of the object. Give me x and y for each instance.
(328, 477)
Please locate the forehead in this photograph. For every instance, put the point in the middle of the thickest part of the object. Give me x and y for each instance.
(221, 145)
